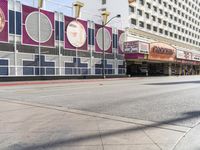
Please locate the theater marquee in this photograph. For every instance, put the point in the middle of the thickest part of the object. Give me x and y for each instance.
(162, 52)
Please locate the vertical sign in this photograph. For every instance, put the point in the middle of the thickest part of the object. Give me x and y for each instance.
(99, 39)
(3, 20)
(121, 40)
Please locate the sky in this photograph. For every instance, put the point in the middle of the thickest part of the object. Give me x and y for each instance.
(53, 5)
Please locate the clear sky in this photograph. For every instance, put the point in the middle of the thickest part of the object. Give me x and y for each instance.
(53, 5)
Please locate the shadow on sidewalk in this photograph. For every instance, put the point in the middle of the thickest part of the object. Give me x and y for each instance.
(175, 83)
(65, 142)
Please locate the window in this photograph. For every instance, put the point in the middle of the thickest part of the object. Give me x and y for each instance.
(3, 67)
(91, 36)
(59, 31)
(12, 22)
(149, 5)
(155, 29)
(133, 21)
(148, 26)
(114, 40)
(147, 15)
(139, 12)
(141, 24)
(161, 31)
(103, 2)
(132, 9)
(141, 2)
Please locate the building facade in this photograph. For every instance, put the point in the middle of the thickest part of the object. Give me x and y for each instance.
(171, 28)
(47, 42)
(162, 36)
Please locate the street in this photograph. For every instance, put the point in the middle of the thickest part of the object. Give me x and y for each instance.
(158, 100)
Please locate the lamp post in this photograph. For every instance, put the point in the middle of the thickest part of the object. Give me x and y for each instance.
(77, 6)
(40, 5)
(105, 21)
(77, 10)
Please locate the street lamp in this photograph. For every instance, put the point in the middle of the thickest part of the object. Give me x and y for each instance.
(40, 3)
(78, 5)
(105, 15)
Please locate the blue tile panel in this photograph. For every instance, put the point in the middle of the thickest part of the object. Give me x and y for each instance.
(99, 67)
(121, 68)
(12, 15)
(32, 67)
(76, 67)
(3, 67)
(59, 31)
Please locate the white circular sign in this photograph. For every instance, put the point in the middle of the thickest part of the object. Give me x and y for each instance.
(32, 27)
(76, 34)
(2, 20)
(107, 39)
(121, 41)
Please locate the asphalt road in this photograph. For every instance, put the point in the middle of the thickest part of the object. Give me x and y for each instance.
(169, 100)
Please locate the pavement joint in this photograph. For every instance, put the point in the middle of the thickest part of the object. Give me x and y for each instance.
(150, 124)
(152, 140)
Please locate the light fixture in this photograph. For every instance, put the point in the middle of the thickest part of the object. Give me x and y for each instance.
(40, 3)
(78, 5)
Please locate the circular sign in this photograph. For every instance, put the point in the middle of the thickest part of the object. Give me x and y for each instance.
(107, 39)
(76, 34)
(2, 20)
(121, 41)
(32, 27)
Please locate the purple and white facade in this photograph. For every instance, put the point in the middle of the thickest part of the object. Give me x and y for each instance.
(38, 42)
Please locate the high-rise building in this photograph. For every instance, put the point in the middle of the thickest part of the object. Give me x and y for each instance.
(162, 35)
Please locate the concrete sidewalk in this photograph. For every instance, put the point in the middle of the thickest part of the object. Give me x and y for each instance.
(27, 126)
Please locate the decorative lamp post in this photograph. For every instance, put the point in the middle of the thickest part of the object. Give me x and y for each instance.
(105, 21)
(77, 9)
(78, 5)
(40, 3)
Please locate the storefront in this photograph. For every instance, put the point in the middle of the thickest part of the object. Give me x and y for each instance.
(157, 59)
(136, 53)
(187, 63)
(161, 59)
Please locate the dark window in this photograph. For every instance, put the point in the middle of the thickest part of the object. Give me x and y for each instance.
(59, 31)
(12, 22)
(3, 67)
(114, 40)
(103, 2)
(91, 36)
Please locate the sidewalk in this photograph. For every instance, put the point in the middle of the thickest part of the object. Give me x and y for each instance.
(25, 126)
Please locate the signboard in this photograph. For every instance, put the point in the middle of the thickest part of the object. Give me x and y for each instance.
(38, 27)
(136, 47)
(184, 55)
(107, 39)
(121, 40)
(75, 34)
(3, 21)
(131, 47)
(162, 52)
(196, 57)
